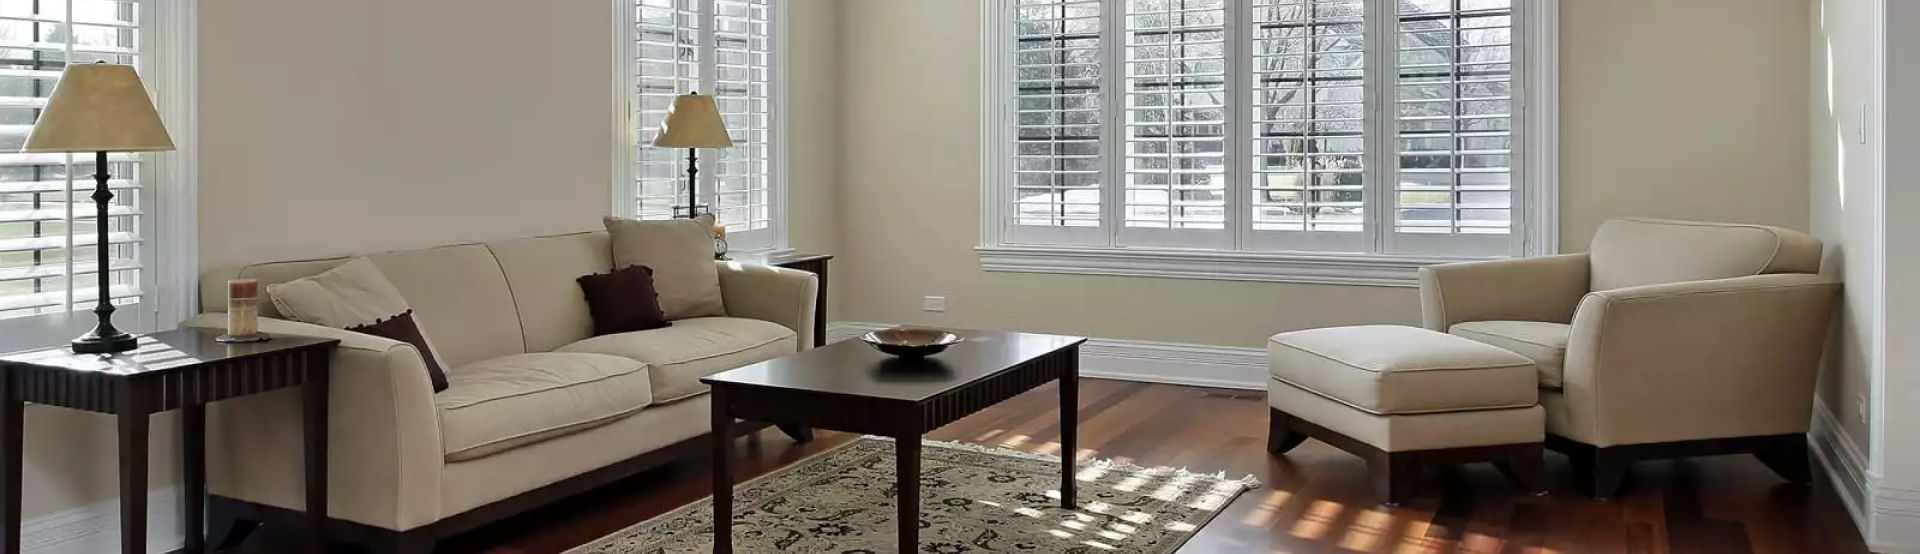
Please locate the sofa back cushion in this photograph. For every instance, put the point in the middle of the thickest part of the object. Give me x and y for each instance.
(459, 292)
(1635, 252)
(541, 272)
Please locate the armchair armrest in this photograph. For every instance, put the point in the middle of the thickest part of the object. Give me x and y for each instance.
(1524, 289)
(767, 293)
(384, 454)
(1697, 360)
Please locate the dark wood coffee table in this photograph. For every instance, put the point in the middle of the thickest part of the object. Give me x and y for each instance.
(848, 386)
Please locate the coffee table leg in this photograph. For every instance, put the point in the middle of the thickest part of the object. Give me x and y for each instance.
(722, 439)
(907, 470)
(1069, 428)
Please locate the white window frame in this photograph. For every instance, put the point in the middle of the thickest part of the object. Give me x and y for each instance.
(170, 278)
(1535, 190)
(628, 137)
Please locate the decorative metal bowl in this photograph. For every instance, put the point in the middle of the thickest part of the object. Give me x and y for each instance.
(910, 342)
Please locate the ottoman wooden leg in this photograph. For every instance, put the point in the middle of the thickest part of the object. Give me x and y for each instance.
(1281, 436)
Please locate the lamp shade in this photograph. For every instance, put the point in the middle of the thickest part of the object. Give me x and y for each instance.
(99, 107)
(693, 122)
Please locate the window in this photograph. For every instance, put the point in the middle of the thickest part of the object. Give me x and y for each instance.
(724, 48)
(1241, 138)
(48, 265)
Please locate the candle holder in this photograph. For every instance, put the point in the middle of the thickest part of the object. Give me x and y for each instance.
(243, 313)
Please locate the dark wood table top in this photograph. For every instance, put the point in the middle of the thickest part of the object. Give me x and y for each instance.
(160, 353)
(852, 368)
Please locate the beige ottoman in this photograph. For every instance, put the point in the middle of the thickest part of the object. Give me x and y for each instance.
(1404, 398)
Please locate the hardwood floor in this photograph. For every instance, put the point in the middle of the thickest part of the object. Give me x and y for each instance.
(1315, 499)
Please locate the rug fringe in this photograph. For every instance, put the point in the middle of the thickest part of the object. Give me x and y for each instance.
(1249, 482)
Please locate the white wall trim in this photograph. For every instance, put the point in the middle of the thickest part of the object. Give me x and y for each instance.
(625, 120)
(1224, 367)
(1541, 108)
(1845, 463)
(95, 528)
(176, 254)
(1218, 265)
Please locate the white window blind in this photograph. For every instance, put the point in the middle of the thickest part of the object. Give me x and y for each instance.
(1176, 116)
(1057, 85)
(48, 229)
(722, 48)
(1326, 126)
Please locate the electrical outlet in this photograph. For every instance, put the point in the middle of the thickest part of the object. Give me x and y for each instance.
(1860, 407)
(934, 303)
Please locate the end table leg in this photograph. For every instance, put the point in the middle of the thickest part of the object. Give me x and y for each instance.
(193, 476)
(721, 436)
(1069, 428)
(907, 471)
(133, 481)
(11, 413)
(314, 404)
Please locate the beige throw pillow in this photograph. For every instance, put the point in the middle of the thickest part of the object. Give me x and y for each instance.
(357, 297)
(680, 253)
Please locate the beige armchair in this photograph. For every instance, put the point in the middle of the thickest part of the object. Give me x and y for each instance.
(1667, 339)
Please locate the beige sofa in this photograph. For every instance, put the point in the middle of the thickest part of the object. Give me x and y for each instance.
(1666, 339)
(537, 409)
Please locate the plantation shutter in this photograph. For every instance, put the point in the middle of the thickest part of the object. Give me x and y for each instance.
(1456, 126)
(1346, 126)
(742, 83)
(48, 263)
(1057, 183)
(1175, 123)
(667, 40)
(1309, 125)
(724, 49)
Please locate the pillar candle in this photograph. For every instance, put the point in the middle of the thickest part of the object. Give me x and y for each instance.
(243, 307)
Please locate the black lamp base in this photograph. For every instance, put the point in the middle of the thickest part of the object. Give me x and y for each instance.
(96, 344)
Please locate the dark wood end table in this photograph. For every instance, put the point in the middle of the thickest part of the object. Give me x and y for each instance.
(184, 370)
(851, 387)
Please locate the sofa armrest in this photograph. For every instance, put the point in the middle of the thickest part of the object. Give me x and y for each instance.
(1524, 289)
(1697, 359)
(767, 293)
(384, 450)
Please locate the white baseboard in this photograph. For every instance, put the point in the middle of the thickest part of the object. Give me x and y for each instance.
(1845, 463)
(1896, 521)
(95, 528)
(1153, 362)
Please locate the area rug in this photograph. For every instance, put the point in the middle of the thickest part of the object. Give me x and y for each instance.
(973, 499)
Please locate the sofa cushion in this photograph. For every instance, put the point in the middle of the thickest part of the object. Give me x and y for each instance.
(1634, 252)
(678, 356)
(506, 402)
(1543, 342)
(1394, 369)
(541, 271)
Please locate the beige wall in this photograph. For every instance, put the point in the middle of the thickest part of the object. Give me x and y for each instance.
(1673, 109)
(1843, 194)
(374, 125)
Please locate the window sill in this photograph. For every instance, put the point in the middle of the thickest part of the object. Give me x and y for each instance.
(1280, 267)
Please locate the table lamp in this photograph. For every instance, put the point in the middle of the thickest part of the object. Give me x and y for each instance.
(100, 108)
(693, 123)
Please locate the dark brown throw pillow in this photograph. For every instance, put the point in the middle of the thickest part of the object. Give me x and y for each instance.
(623, 301)
(402, 328)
